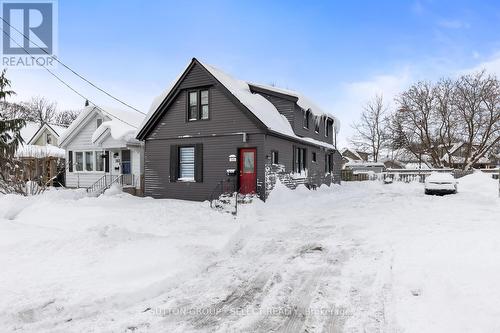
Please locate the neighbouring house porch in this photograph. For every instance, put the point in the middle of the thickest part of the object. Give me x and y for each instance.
(97, 170)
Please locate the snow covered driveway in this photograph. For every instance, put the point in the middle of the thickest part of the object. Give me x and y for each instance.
(361, 257)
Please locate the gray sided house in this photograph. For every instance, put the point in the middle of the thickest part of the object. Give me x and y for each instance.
(210, 129)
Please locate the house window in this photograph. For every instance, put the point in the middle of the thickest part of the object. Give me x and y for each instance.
(274, 157)
(317, 120)
(328, 124)
(79, 161)
(99, 122)
(48, 137)
(89, 161)
(306, 119)
(299, 160)
(198, 105)
(204, 104)
(186, 163)
(314, 156)
(193, 105)
(328, 163)
(99, 161)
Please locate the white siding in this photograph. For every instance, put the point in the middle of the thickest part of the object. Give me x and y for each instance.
(82, 141)
(136, 157)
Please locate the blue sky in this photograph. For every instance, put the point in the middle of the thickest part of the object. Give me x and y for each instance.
(338, 53)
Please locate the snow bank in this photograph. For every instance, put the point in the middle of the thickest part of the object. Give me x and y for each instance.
(395, 259)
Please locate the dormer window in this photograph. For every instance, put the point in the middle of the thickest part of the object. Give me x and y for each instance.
(99, 122)
(306, 119)
(198, 105)
(317, 120)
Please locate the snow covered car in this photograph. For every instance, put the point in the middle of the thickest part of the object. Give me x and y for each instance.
(440, 183)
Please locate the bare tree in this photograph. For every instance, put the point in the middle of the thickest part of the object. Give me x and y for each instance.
(477, 100)
(370, 131)
(66, 117)
(41, 110)
(431, 118)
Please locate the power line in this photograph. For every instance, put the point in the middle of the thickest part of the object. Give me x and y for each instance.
(71, 70)
(66, 84)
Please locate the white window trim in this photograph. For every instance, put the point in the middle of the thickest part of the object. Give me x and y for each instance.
(94, 164)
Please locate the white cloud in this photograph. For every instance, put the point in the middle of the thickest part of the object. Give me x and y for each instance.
(492, 66)
(453, 24)
(354, 95)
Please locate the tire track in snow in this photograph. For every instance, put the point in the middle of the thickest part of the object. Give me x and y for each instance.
(296, 321)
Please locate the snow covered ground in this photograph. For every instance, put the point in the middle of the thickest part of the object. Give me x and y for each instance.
(361, 257)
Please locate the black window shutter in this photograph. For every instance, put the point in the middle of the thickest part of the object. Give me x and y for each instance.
(106, 161)
(174, 163)
(70, 161)
(293, 159)
(198, 163)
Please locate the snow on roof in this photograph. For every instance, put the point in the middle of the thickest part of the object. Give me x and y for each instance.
(260, 106)
(257, 104)
(123, 124)
(161, 97)
(304, 102)
(353, 151)
(57, 129)
(40, 151)
(364, 164)
(455, 146)
(29, 130)
(416, 165)
(264, 110)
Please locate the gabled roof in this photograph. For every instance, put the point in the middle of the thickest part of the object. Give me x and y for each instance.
(29, 129)
(257, 105)
(56, 130)
(352, 151)
(30, 133)
(123, 124)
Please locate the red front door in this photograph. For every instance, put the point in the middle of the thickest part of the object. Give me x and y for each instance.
(248, 170)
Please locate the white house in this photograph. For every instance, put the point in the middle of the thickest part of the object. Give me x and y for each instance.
(42, 158)
(101, 149)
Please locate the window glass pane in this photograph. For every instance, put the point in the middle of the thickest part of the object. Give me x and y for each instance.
(274, 157)
(99, 161)
(89, 160)
(79, 161)
(99, 122)
(204, 97)
(204, 112)
(49, 138)
(248, 162)
(186, 163)
(193, 105)
(193, 113)
(193, 98)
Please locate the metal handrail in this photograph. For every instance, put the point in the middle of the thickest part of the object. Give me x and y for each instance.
(106, 181)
